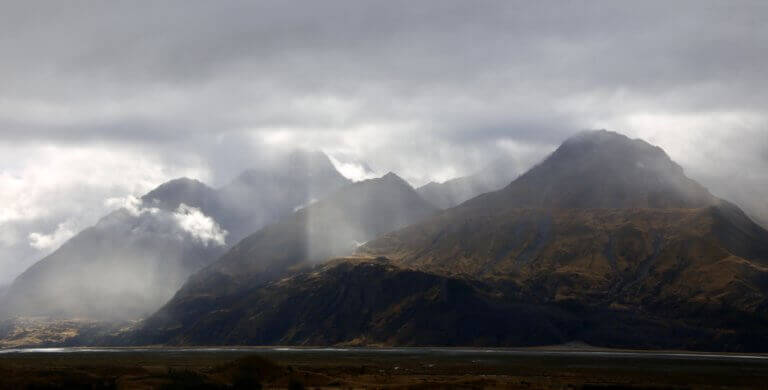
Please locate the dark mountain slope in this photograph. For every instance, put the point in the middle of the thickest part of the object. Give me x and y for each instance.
(597, 257)
(364, 301)
(328, 228)
(370, 301)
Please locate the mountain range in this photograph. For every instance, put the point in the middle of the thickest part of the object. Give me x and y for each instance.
(134, 259)
(334, 226)
(606, 241)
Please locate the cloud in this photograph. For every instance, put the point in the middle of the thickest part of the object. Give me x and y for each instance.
(353, 170)
(132, 204)
(199, 226)
(188, 220)
(49, 242)
(50, 191)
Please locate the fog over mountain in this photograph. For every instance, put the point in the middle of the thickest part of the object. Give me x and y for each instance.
(334, 226)
(134, 259)
(455, 191)
(258, 195)
(103, 101)
(123, 267)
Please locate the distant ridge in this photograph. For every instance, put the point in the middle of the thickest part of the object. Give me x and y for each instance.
(455, 191)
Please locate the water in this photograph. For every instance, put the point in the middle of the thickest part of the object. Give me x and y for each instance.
(432, 352)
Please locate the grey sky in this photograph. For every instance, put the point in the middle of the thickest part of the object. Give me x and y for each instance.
(102, 100)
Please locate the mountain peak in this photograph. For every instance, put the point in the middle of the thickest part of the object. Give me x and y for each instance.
(392, 177)
(306, 159)
(172, 193)
(597, 135)
(391, 180)
(602, 169)
(605, 142)
(180, 183)
(297, 164)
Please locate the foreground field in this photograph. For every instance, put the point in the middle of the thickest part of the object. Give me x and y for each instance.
(372, 368)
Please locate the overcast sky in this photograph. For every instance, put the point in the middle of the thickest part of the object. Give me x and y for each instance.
(104, 99)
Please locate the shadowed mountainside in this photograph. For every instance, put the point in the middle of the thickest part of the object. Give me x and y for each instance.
(703, 258)
(368, 301)
(371, 301)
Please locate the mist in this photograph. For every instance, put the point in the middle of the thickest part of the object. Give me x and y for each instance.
(124, 267)
(135, 258)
